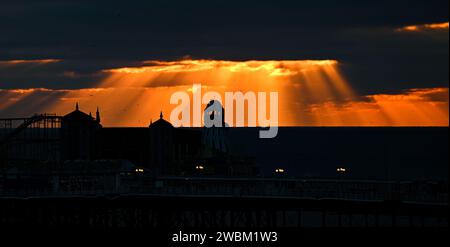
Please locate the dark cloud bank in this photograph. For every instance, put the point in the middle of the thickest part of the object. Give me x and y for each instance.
(92, 36)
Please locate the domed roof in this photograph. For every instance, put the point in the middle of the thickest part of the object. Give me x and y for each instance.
(160, 123)
(78, 116)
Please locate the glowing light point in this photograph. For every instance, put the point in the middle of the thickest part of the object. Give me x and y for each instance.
(280, 170)
(341, 170)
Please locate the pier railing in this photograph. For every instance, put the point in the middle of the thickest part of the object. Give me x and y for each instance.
(116, 184)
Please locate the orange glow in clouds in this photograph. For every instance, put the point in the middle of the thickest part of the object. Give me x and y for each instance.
(35, 61)
(425, 27)
(320, 79)
(311, 93)
(419, 107)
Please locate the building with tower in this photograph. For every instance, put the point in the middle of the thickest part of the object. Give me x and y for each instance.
(160, 149)
(79, 135)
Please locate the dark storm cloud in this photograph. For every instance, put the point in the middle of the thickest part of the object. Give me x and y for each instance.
(97, 35)
(62, 74)
(32, 102)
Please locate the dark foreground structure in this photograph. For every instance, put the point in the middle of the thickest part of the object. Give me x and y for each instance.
(187, 212)
(71, 172)
(229, 203)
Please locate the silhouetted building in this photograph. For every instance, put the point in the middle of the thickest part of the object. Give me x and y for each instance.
(79, 135)
(161, 146)
(215, 138)
(161, 149)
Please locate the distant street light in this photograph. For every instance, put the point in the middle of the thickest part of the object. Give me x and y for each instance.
(280, 171)
(341, 170)
(199, 168)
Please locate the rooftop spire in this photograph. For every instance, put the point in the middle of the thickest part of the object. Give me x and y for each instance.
(161, 115)
(97, 115)
(77, 108)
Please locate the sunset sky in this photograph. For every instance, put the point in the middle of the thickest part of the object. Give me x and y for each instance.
(346, 63)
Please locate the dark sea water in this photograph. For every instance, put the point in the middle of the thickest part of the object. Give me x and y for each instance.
(394, 154)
